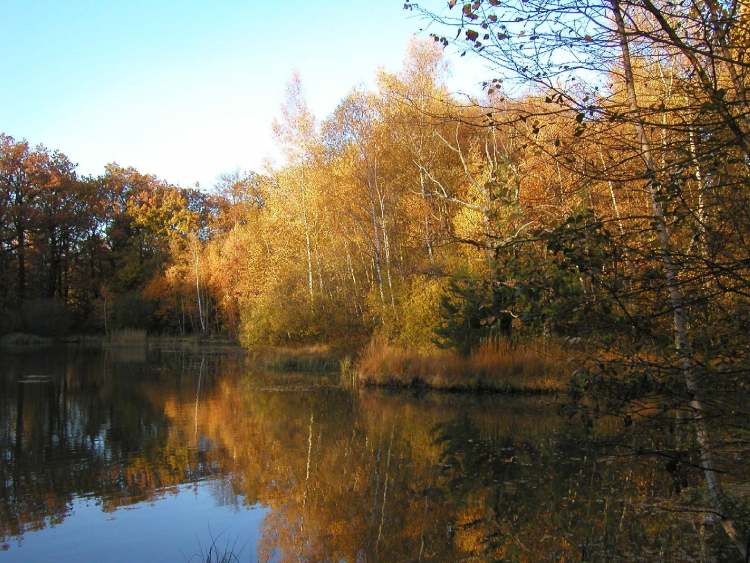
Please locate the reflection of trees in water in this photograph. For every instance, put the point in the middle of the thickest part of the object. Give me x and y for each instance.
(90, 430)
(368, 476)
(557, 494)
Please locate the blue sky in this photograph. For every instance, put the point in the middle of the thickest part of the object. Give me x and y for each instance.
(186, 89)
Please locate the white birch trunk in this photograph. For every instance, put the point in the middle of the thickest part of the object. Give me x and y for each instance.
(677, 301)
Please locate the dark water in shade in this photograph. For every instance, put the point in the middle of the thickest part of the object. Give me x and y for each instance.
(124, 456)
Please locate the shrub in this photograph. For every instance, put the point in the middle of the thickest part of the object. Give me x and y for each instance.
(419, 313)
(283, 315)
(472, 310)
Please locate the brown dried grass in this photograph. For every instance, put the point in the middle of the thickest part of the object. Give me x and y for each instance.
(497, 364)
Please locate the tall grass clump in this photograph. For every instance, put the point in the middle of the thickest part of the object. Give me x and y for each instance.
(497, 364)
(310, 358)
(347, 372)
(215, 553)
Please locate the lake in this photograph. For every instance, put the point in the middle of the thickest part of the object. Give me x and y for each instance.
(128, 455)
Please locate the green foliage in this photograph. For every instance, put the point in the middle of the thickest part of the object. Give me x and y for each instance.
(582, 242)
(472, 309)
(560, 286)
(545, 294)
(578, 280)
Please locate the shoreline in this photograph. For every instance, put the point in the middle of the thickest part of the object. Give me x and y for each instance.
(19, 342)
(422, 386)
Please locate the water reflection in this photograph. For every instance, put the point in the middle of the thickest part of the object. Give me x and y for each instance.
(291, 466)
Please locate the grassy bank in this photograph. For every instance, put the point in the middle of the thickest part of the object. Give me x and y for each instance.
(497, 365)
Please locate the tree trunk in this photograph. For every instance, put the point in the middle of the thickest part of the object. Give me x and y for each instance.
(612, 195)
(308, 245)
(387, 249)
(319, 267)
(354, 278)
(21, 238)
(426, 218)
(378, 252)
(198, 289)
(677, 301)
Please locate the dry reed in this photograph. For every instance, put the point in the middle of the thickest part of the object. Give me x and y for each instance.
(313, 358)
(497, 364)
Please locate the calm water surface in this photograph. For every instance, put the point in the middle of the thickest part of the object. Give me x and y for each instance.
(128, 456)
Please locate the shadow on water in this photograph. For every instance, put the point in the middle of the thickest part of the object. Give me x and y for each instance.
(113, 445)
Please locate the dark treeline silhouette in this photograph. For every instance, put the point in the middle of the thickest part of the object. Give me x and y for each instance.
(77, 253)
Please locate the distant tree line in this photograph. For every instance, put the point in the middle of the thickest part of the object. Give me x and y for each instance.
(79, 253)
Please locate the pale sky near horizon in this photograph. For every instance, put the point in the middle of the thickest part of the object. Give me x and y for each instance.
(187, 89)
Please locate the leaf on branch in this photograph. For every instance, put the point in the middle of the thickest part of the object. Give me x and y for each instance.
(471, 35)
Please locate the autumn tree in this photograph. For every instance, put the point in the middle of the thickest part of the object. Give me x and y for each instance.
(658, 91)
